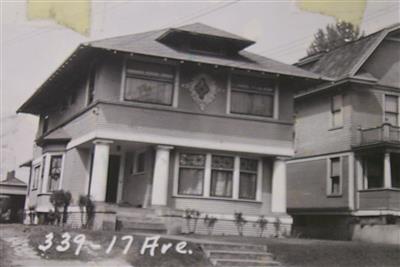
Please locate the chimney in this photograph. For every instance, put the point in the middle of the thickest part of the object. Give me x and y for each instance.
(10, 175)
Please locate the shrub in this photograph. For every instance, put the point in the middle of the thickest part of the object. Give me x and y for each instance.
(86, 203)
(32, 214)
(277, 225)
(191, 214)
(239, 222)
(61, 199)
(261, 223)
(210, 222)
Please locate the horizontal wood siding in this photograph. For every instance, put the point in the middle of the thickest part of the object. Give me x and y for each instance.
(307, 185)
(384, 199)
(314, 133)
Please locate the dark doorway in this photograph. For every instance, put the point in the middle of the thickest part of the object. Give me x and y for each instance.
(112, 179)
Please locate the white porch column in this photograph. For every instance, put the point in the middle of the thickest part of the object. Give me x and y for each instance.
(278, 203)
(387, 181)
(98, 184)
(159, 194)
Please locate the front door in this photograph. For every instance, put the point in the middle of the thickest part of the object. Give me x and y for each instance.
(112, 178)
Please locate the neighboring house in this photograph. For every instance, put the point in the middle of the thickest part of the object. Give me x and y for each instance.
(347, 139)
(12, 198)
(168, 120)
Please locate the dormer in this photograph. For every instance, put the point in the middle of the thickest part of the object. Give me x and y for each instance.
(202, 39)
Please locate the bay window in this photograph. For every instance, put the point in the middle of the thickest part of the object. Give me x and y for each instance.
(35, 177)
(218, 176)
(149, 83)
(252, 96)
(54, 172)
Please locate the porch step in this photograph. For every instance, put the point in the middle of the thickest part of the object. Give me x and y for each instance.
(243, 263)
(238, 254)
(145, 227)
(228, 254)
(234, 247)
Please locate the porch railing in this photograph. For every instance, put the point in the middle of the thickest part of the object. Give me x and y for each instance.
(384, 133)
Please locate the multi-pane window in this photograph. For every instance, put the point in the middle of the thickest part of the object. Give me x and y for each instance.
(35, 177)
(334, 177)
(248, 178)
(149, 83)
(252, 96)
(191, 174)
(337, 111)
(221, 176)
(54, 173)
(392, 109)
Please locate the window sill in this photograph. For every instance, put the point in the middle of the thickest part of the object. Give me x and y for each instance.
(334, 195)
(379, 189)
(335, 128)
(218, 198)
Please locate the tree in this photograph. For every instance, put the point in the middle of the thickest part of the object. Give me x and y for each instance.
(335, 35)
(61, 199)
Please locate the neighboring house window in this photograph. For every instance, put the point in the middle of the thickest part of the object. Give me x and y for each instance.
(252, 96)
(91, 84)
(373, 171)
(35, 177)
(248, 178)
(395, 168)
(221, 176)
(222, 173)
(334, 179)
(337, 111)
(149, 83)
(45, 124)
(392, 109)
(55, 172)
(191, 174)
(140, 162)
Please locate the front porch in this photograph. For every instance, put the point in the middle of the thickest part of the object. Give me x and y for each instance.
(128, 179)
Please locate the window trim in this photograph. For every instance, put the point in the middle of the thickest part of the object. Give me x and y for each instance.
(275, 101)
(36, 164)
(329, 177)
(384, 108)
(206, 194)
(92, 68)
(50, 155)
(175, 82)
(340, 111)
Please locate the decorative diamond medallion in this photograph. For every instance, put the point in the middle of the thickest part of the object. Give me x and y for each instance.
(203, 89)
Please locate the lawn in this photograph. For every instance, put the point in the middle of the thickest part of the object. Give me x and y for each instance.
(293, 252)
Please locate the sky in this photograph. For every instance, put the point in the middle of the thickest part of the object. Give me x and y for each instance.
(32, 49)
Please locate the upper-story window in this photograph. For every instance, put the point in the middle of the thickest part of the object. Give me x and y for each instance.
(252, 96)
(337, 111)
(149, 83)
(392, 109)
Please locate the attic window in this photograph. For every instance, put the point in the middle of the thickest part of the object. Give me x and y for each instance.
(207, 47)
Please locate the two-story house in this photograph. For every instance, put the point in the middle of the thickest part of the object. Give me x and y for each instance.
(347, 139)
(168, 120)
